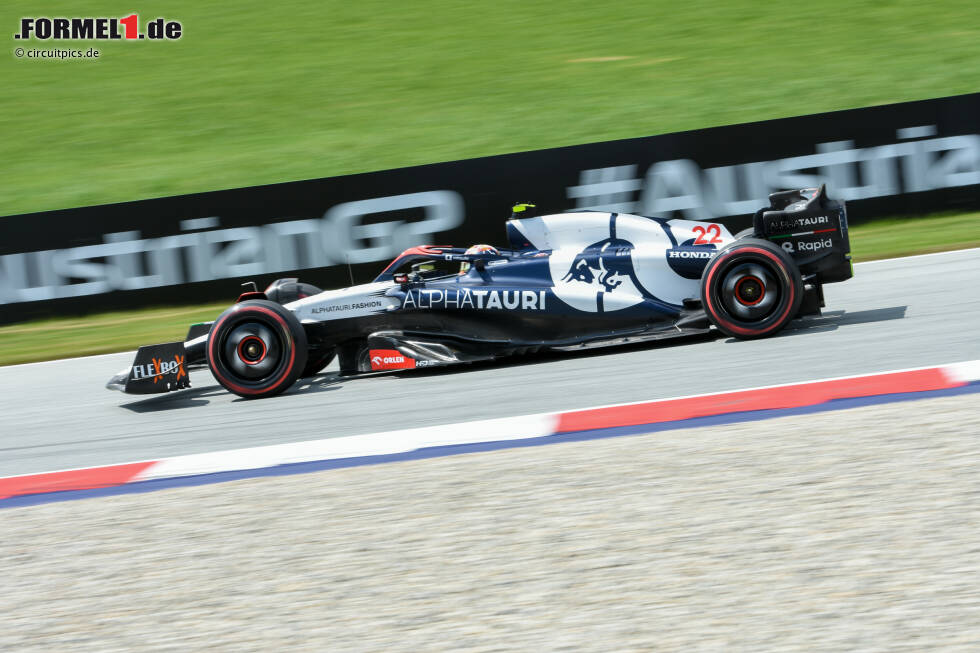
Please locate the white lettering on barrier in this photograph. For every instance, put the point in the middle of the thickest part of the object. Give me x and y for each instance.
(124, 261)
(336, 238)
(681, 185)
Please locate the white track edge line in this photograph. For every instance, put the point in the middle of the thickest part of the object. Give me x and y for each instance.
(963, 371)
(966, 366)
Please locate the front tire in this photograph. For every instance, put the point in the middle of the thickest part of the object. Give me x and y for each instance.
(751, 289)
(257, 349)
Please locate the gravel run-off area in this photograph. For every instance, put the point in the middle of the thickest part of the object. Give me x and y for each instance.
(846, 530)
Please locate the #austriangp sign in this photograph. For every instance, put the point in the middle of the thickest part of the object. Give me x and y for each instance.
(886, 160)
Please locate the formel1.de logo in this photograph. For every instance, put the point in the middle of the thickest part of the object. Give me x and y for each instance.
(98, 29)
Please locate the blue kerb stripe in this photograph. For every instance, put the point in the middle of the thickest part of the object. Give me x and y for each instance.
(456, 449)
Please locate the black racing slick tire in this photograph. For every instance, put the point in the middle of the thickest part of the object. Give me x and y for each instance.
(751, 289)
(257, 349)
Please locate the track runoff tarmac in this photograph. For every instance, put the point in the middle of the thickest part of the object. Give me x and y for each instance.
(895, 314)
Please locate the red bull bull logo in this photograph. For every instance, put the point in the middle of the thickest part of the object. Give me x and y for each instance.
(608, 261)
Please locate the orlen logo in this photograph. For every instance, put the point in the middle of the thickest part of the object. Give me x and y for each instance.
(390, 359)
(158, 368)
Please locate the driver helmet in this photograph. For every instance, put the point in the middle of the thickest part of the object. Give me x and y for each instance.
(476, 249)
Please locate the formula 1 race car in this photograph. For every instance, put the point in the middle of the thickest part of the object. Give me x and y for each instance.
(567, 281)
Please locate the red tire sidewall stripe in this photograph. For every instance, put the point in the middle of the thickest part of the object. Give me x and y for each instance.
(234, 387)
(781, 266)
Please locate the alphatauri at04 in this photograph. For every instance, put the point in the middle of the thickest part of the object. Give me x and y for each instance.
(564, 282)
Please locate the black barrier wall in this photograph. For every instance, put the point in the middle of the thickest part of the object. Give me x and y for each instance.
(896, 159)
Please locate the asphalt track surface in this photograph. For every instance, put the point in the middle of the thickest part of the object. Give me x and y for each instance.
(894, 314)
(776, 535)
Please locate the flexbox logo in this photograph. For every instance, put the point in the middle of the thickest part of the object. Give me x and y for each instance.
(97, 29)
(157, 368)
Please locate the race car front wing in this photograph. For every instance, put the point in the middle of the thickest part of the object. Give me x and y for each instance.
(157, 368)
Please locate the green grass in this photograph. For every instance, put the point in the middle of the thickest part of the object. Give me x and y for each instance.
(893, 237)
(127, 330)
(101, 333)
(259, 93)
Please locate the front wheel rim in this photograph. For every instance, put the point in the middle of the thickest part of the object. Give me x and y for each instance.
(252, 351)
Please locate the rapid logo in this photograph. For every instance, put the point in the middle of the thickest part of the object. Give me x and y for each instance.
(158, 368)
(389, 359)
(607, 260)
(807, 245)
(525, 300)
(814, 245)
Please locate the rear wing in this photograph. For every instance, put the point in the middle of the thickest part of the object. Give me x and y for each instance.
(811, 228)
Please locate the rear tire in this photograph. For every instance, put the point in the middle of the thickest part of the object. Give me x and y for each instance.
(751, 289)
(257, 349)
